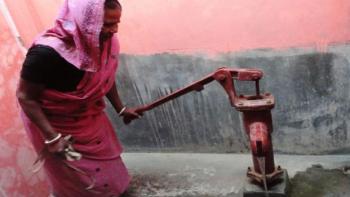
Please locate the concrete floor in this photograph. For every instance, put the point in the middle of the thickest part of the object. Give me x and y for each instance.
(210, 175)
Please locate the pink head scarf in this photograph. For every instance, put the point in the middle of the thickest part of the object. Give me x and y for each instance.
(75, 35)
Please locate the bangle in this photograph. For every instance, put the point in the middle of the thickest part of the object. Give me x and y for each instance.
(59, 135)
(121, 111)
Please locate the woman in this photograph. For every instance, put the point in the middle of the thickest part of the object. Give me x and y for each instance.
(66, 73)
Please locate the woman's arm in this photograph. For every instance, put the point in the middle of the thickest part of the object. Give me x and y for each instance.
(28, 94)
(114, 98)
(129, 114)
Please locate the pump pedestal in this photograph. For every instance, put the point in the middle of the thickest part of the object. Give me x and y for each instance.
(265, 177)
(278, 189)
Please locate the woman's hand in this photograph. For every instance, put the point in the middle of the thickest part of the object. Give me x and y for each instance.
(130, 114)
(59, 146)
(63, 148)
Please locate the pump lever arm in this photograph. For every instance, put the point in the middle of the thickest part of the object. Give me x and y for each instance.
(196, 86)
(224, 76)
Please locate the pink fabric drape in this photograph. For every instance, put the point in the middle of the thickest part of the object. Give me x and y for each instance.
(75, 35)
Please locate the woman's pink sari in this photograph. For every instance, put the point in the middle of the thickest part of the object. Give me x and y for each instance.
(101, 171)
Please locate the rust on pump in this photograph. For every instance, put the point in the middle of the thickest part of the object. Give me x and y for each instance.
(257, 120)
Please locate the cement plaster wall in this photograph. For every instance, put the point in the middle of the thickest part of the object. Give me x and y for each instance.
(310, 117)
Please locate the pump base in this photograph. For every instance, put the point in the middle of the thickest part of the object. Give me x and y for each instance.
(251, 189)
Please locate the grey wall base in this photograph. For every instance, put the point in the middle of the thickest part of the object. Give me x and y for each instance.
(311, 88)
(279, 190)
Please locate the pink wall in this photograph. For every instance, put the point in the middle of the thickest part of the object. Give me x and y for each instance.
(153, 26)
(32, 16)
(16, 153)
